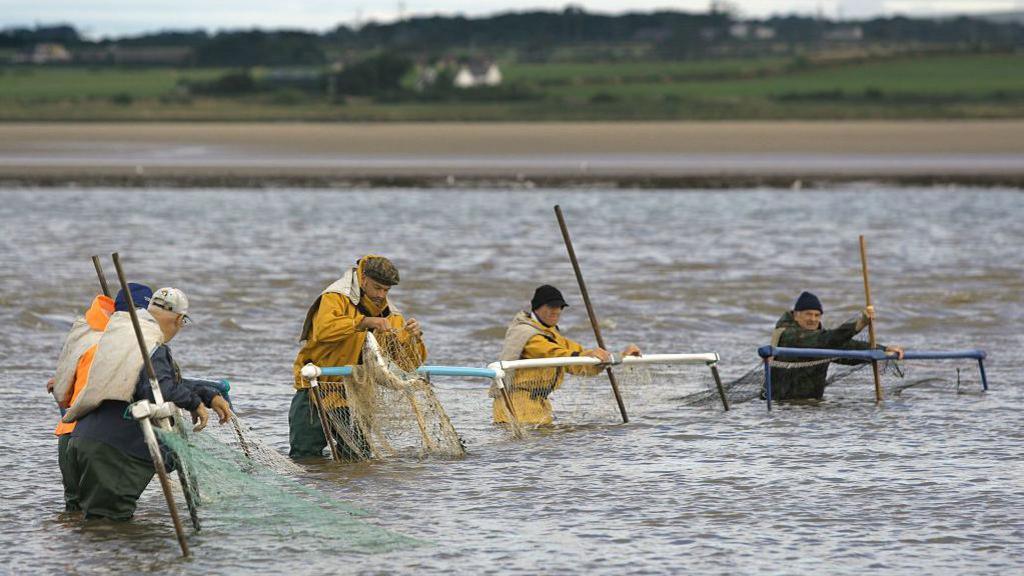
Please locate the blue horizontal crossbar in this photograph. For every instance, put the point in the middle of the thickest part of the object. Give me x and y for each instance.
(782, 352)
(457, 371)
(428, 370)
(337, 371)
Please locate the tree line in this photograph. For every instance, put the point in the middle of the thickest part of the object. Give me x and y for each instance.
(536, 35)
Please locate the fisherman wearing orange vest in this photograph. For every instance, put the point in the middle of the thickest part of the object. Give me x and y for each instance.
(107, 455)
(73, 371)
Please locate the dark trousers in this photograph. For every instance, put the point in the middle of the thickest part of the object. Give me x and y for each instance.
(306, 435)
(109, 482)
(69, 479)
(806, 383)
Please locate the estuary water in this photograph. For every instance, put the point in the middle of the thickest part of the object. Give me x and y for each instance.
(930, 482)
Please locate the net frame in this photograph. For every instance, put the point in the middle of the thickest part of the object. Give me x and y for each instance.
(384, 367)
(770, 354)
(497, 372)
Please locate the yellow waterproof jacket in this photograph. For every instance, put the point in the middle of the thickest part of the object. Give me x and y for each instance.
(532, 386)
(335, 339)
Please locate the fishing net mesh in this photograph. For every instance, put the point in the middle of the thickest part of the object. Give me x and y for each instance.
(386, 409)
(245, 486)
(846, 380)
(590, 399)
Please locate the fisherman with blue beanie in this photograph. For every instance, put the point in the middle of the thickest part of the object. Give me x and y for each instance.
(108, 462)
(801, 328)
(141, 295)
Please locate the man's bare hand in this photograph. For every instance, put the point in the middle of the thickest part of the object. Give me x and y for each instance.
(631, 350)
(49, 385)
(599, 353)
(200, 416)
(222, 408)
(897, 350)
(375, 323)
(412, 326)
(867, 316)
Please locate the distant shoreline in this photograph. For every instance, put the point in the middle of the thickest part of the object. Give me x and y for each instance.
(503, 155)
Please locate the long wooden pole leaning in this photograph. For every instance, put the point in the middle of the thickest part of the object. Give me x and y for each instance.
(721, 389)
(147, 426)
(99, 273)
(188, 488)
(317, 401)
(871, 322)
(590, 309)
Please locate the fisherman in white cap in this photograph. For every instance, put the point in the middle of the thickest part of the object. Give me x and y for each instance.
(107, 453)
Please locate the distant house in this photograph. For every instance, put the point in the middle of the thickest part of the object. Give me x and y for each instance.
(476, 74)
(43, 54)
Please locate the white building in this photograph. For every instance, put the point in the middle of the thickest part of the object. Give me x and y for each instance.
(477, 74)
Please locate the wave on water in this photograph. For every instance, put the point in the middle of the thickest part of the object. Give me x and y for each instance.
(232, 325)
(37, 320)
(489, 333)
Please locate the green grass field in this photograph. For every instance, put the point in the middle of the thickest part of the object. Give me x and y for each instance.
(53, 84)
(621, 72)
(949, 86)
(935, 77)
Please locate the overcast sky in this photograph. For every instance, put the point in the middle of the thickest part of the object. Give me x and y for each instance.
(118, 17)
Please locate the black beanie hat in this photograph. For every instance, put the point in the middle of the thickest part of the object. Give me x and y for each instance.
(547, 295)
(808, 301)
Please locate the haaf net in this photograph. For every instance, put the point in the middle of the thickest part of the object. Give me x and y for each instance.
(589, 399)
(846, 378)
(245, 486)
(386, 409)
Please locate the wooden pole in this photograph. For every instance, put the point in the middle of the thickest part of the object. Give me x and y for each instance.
(590, 309)
(871, 322)
(517, 427)
(99, 273)
(154, 448)
(314, 397)
(721, 389)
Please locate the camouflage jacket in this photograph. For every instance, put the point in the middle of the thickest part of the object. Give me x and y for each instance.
(810, 381)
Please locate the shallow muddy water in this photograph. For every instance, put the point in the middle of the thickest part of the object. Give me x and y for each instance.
(927, 482)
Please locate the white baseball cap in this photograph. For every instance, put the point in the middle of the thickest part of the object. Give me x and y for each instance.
(172, 300)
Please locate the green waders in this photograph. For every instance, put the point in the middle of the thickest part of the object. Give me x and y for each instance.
(69, 479)
(306, 435)
(109, 481)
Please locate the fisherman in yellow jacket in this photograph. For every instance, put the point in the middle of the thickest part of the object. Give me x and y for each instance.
(333, 334)
(535, 334)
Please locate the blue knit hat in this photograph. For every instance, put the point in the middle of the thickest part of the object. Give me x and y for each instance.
(140, 296)
(808, 301)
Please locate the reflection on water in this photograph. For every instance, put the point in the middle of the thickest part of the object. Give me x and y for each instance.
(927, 482)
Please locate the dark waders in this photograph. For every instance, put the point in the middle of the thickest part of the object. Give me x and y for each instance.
(67, 474)
(109, 482)
(306, 435)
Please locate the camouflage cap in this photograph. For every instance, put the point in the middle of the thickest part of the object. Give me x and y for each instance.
(381, 269)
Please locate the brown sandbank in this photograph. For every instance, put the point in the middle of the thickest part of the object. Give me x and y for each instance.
(665, 154)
